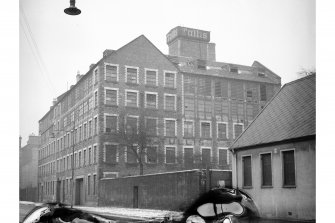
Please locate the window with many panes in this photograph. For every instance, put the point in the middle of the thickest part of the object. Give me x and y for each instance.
(151, 126)
(263, 92)
(206, 156)
(95, 125)
(150, 100)
(204, 86)
(170, 102)
(246, 167)
(151, 77)
(96, 77)
(170, 127)
(205, 129)
(131, 154)
(288, 168)
(170, 79)
(151, 152)
(188, 128)
(189, 107)
(94, 156)
(132, 98)
(188, 157)
(189, 85)
(170, 154)
(223, 156)
(111, 72)
(111, 154)
(222, 128)
(131, 125)
(111, 96)
(238, 129)
(111, 123)
(266, 169)
(131, 75)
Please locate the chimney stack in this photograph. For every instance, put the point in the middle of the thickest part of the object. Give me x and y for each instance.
(107, 52)
(78, 77)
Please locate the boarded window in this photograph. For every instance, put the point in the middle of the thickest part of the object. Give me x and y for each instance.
(111, 73)
(111, 124)
(151, 77)
(170, 80)
(205, 129)
(170, 102)
(266, 169)
(131, 75)
(288, 168)
(237, 90)
(188, 157)
(170, 154)
(222, 131)
(206, 156)
(221, 88)
(170, 127)
(111, 153)
(223, 157)
(247, 177)
(188, 128)
(152, 154)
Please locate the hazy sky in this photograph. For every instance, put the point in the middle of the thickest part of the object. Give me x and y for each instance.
(54, 46)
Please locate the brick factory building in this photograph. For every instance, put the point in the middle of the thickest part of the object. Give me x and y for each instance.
(185, 108)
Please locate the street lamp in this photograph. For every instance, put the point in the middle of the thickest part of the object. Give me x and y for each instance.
(72, 10)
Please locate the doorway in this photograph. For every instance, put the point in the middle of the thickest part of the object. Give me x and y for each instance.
(79, 192)
(135, 197)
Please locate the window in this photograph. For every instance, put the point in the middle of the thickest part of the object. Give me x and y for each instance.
(89, 155)
(111, 72)
(111, 96)
(151, 126)
(205, 129)
(170, 127)
(189, 85)
(88, 184)
(111, 123)
(205, 86)
(85, 130)
(247, 177)
(152, 154)
(132, 125)
(90, 128)
(221, 88)
(131, 75)
(94, 156)
(222, 130)
(188, 157)
(263, 92)
(223, 156)
(95, 125)
(111, 154)
(94, 183)
(151, 77)
(169, 79)
(266, 169)
(237, 90)
(170, 156)
(80, 134)
(288, 168)
(132, 98)
(249, 94)
(95, 99)
(189, 107)
(206, 156)
(233, 70)
(131, 154)
(238, 129)
(96, 77)
(151, 100)
(79, 159)
(188, 128)
(84, 157)
(170, 102)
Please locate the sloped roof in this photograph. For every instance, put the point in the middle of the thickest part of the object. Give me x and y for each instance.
(290, 114)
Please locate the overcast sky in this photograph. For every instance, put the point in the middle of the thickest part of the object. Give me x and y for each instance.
(54, 46)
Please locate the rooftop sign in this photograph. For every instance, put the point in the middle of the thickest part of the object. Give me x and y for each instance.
(188, 33)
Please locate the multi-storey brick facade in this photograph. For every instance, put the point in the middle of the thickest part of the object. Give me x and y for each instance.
(196, 107)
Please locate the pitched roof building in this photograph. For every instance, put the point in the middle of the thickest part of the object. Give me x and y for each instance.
(274, 158)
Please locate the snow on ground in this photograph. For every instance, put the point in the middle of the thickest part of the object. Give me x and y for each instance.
(130, 212)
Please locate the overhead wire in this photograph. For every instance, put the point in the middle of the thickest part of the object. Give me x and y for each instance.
(34, 48)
